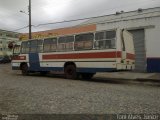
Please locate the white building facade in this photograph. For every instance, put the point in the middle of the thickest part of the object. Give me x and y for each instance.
(145, 27)
(5, 38)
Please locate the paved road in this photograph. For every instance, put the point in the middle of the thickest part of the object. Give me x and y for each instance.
(50, 94)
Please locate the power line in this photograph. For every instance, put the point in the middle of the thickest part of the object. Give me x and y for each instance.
(20, 28)
(87, 18)
(65, 21)
(80, 19)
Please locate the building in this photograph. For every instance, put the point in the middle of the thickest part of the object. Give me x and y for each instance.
(145, 27)
(5, 38)
(142, 23)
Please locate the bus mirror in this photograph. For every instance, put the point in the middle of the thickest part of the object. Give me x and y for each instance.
(11, 45)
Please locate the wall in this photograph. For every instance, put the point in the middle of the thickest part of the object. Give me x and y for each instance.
(152, 37)
(61, 31)
(153, 46)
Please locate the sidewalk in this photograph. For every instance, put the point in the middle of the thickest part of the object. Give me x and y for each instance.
(141, 77)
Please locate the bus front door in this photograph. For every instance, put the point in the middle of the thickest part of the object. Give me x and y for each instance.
(34, 62)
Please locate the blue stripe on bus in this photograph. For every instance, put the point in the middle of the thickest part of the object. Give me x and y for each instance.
(94, 70)
(86, 70)
(34, 62)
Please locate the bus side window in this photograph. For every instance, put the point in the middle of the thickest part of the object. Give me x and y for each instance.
(33, 46)
(105, 40)
(61, 43)
(27, 46)
(23, 47)
(84, 41)
(50, 45)
(100, 40)
(65, 43)
(40, 46)
(54, 44)
(111, 37)
(69, 43)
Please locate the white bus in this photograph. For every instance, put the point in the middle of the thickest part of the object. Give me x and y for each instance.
(79, 54)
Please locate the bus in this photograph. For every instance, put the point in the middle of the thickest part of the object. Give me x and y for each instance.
(82, 54)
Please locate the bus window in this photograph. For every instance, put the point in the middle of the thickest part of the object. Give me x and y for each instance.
(84, 41)
(105, 40)
(65, 43)
(111, 36)
(99, 36)
(33, 46)
(50, 44)
(25, 47)
(28, 47)
(16, 50)
(39, 45)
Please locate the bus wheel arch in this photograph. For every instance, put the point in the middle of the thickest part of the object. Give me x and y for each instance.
(24, 68)
(70, 70)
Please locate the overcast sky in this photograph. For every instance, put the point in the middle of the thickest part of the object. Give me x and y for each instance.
(46, 11)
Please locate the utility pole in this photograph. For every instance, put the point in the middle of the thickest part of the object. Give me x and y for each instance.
(30, 25)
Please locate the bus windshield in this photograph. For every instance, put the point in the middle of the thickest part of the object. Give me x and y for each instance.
(16, 50)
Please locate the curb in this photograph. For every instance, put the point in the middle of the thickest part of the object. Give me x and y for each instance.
(147, 80)
(143, 80)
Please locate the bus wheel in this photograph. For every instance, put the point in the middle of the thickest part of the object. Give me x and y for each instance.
(70, 72)
(24, 69)
(87, 75)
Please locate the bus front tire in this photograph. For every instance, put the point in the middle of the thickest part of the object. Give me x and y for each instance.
(70, 72)
(24, 69)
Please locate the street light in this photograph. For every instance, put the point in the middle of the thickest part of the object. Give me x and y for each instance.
(29, 13)
(23, 12)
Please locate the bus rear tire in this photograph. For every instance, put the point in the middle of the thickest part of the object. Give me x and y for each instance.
(24, 69)
(70, 72)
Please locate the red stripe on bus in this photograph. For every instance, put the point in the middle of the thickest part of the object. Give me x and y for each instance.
(19, 58)
(130, 56)
(153, 57)
(82, 55)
